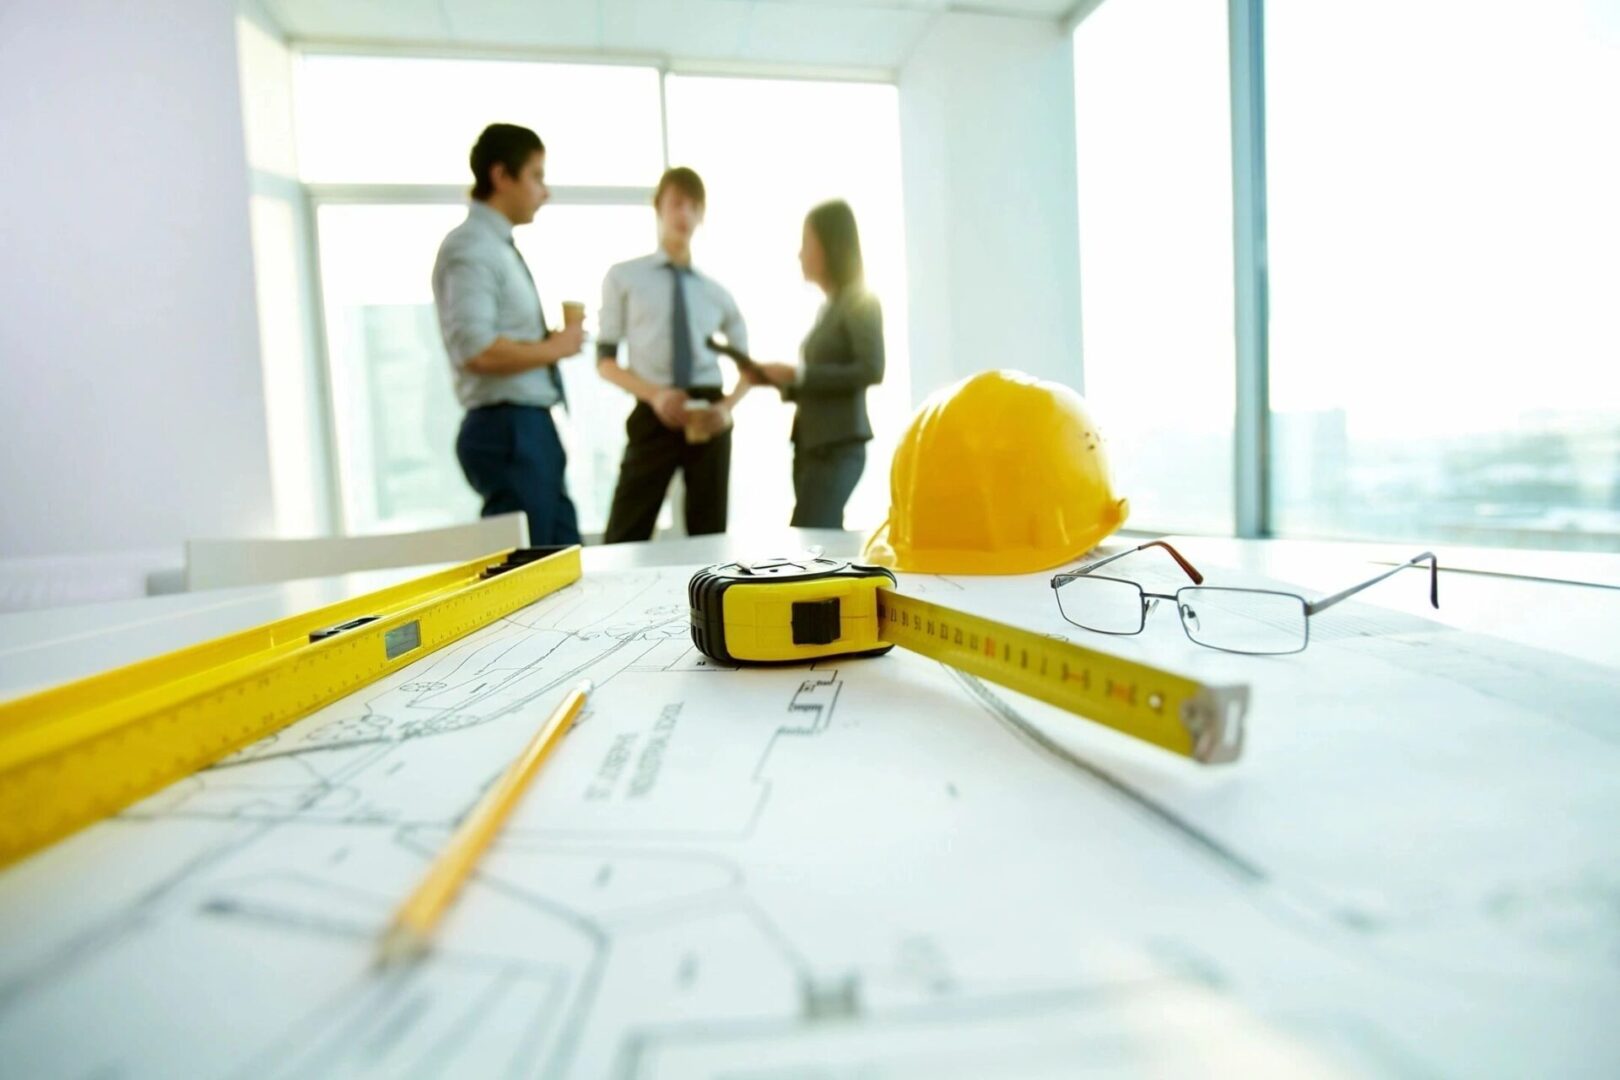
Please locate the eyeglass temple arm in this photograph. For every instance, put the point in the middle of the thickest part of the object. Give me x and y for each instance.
(1065, 578)
(1434, 584)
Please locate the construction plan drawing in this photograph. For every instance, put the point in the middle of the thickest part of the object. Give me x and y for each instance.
(864, 868)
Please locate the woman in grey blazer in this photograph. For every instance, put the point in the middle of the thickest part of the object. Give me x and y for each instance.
(843, 355)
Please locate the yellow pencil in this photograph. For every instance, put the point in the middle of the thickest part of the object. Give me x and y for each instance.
(412, 928)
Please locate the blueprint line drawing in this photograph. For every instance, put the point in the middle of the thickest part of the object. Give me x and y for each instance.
(872, 868)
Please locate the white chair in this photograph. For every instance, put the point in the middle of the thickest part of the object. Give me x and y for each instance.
(219, 564)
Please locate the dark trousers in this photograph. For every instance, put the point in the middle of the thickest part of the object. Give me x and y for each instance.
(511, 456)
(651, 457)
(823, 478)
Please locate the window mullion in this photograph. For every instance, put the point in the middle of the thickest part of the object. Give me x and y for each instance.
(1251, 286)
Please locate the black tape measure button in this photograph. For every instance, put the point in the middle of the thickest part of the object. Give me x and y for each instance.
(816, 622)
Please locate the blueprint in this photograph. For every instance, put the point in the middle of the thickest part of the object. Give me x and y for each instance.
(872, 869)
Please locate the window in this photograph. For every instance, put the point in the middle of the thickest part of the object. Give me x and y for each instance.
(394, 410)
(600, 124)
(391, 395)
(1154, 166)
(398, 414)
(768, 150)
(1445, 268)
(1443, 254)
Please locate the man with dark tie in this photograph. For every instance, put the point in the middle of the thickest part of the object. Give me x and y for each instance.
(663, 309)
(502, 355)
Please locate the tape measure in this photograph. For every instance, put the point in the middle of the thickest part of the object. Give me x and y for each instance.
(76, 753)
(793, 610)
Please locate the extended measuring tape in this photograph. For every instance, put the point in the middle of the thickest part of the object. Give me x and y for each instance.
(792, 610)
(76, 753)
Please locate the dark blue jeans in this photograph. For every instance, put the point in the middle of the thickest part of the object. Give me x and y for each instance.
(823, 478)
(511, 456)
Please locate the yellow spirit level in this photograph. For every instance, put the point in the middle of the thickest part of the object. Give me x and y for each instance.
(75, 753)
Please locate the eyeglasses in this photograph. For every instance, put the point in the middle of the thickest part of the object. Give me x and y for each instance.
(1255, 622)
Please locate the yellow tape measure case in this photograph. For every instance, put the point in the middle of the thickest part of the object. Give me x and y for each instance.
(787, 610)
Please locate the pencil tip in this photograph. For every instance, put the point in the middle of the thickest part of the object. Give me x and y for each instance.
(400, 945)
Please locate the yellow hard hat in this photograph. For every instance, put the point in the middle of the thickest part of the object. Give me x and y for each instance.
(1001, 473)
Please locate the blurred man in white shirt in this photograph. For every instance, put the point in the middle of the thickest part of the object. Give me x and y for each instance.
(663, 309)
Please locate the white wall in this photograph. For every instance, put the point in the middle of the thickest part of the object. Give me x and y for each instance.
(988, 144)
(132, 406)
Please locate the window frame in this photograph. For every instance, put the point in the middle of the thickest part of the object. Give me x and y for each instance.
(1251, 420)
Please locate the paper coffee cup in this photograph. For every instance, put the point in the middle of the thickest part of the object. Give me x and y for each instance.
(573, 312)
(694, 432)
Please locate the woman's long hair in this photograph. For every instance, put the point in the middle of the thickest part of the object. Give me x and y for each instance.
(834, 225)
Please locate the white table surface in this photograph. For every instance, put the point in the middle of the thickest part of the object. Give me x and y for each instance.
(42, 648)
(1364, 911)
(49, 646)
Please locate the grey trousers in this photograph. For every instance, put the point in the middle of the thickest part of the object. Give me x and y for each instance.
(823, 478)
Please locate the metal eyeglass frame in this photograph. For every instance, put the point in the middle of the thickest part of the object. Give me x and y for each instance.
(1308, 607)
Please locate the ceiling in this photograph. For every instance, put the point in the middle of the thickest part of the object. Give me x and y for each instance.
(834, 34)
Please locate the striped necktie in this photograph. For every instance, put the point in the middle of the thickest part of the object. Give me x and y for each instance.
(550, 369)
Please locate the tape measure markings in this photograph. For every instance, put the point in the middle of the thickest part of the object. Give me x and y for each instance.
(792, 610)
(1171, 711)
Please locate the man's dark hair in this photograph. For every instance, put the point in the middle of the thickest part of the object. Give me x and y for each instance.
(506, 145)
(683, 180)
(834, 226)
